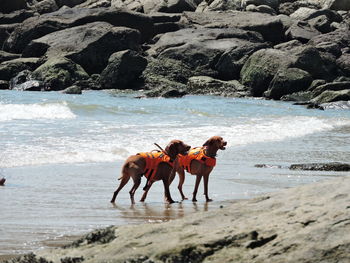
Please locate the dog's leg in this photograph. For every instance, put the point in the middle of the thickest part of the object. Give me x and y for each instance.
(148, 186)
(181, 173)
(198, 180)
(124, 181)
(206, 180)
(167, 191)
(137, 181)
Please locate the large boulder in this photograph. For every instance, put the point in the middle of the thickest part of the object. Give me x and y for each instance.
(261, 67)
(134, 5)
(219, 5)
(44, 6)
(334, 86)
(271, 3)
(270, 27)
(209, 86)
(10, 68)
(59, 73)
(287, 81)
(88, 45)
(331, 96)
(123, 69)
(7, 6)
(200, 49)
(36, 27)
(302, 31)
(340, 37)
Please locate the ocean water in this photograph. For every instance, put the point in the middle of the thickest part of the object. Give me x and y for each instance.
(61, 155)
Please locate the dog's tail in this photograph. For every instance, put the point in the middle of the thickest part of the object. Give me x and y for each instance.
(124, 170)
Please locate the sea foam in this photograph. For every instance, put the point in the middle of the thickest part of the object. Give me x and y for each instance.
(10, 112)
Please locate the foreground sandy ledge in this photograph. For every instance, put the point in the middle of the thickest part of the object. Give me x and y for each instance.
(310, 223)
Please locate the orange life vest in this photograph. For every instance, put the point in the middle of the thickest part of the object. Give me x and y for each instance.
(153, 159)
(195, 154)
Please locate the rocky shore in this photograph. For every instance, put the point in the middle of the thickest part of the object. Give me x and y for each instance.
(294, 50)
(310, 223)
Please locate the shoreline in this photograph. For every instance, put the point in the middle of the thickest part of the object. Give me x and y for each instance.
(304, 223)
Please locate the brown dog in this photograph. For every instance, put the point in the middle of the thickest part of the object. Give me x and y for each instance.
(200, 162)
(154, 165)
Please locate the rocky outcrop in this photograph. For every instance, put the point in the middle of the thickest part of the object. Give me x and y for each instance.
(36, 27)
(306, 224)
(10, 68)
(339, 167)
(88, 45)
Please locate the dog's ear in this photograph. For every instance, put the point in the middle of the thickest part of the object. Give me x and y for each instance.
(171, 149)
(208, 142)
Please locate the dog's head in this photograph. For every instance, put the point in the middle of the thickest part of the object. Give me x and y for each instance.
(176, 147)
(216, 142)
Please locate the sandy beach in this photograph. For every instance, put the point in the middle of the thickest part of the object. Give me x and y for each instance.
(308, 223)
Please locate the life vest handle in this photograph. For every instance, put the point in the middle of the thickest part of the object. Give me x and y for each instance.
(156, 144)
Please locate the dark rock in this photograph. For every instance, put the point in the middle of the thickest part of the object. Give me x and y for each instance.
(20, 78)
(321, 23)
(209, 86)
(4, 84)
(4, 56)
(289, 45)
(5, 31)
(308, 58)
(336, 166)
(261, 68)
(134, 5)
(69, 3)
(59, 73)
(329, 47)
(89, 45)
(10, 68)
(174, 6)
(34, 28)
(302, 31)
(287, 81)
(164, 17)
(331, 96)
(343, 63)
(270, 27)
(93, 82)
(330, 14)
(261, 9)
(7, 6)
(165, 92)
(300, 97)
(289, 7)
(315, 83)
(15, 17)
(123, 69)
(219, 5)
(335, 86)
(72, 90)
(337, 4)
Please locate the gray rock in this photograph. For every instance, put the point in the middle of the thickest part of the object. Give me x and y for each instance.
(165, 92)
(59, 73)
(5, 31)
(20, 78)
(334, 86)
(340, 37)
(31, 85)
(10, 68)
(302, 31)
(219, 5)
(72, 90)
(89, 45)
(343, 63)
(316, 83)
(303, 13)
(123, 69)
(261, 68)
(209, 86)
(331, 96)
(336, 166)
(69, 3)
(34, 28)
(7, 6)
(321, 23)
(270, 27)
(133, 5)
(289, 45)
(44, 6)
(337, 105)
(287, 81)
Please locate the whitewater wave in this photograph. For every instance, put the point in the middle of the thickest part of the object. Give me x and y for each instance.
(114, 142)
(10, 112)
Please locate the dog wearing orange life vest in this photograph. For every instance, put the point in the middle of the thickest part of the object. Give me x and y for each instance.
(199, 161)
(154, 165)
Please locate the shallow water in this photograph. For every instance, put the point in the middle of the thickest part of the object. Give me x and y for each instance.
(61, 155)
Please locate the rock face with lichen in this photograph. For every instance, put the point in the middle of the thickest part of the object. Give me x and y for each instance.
(306, 224)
